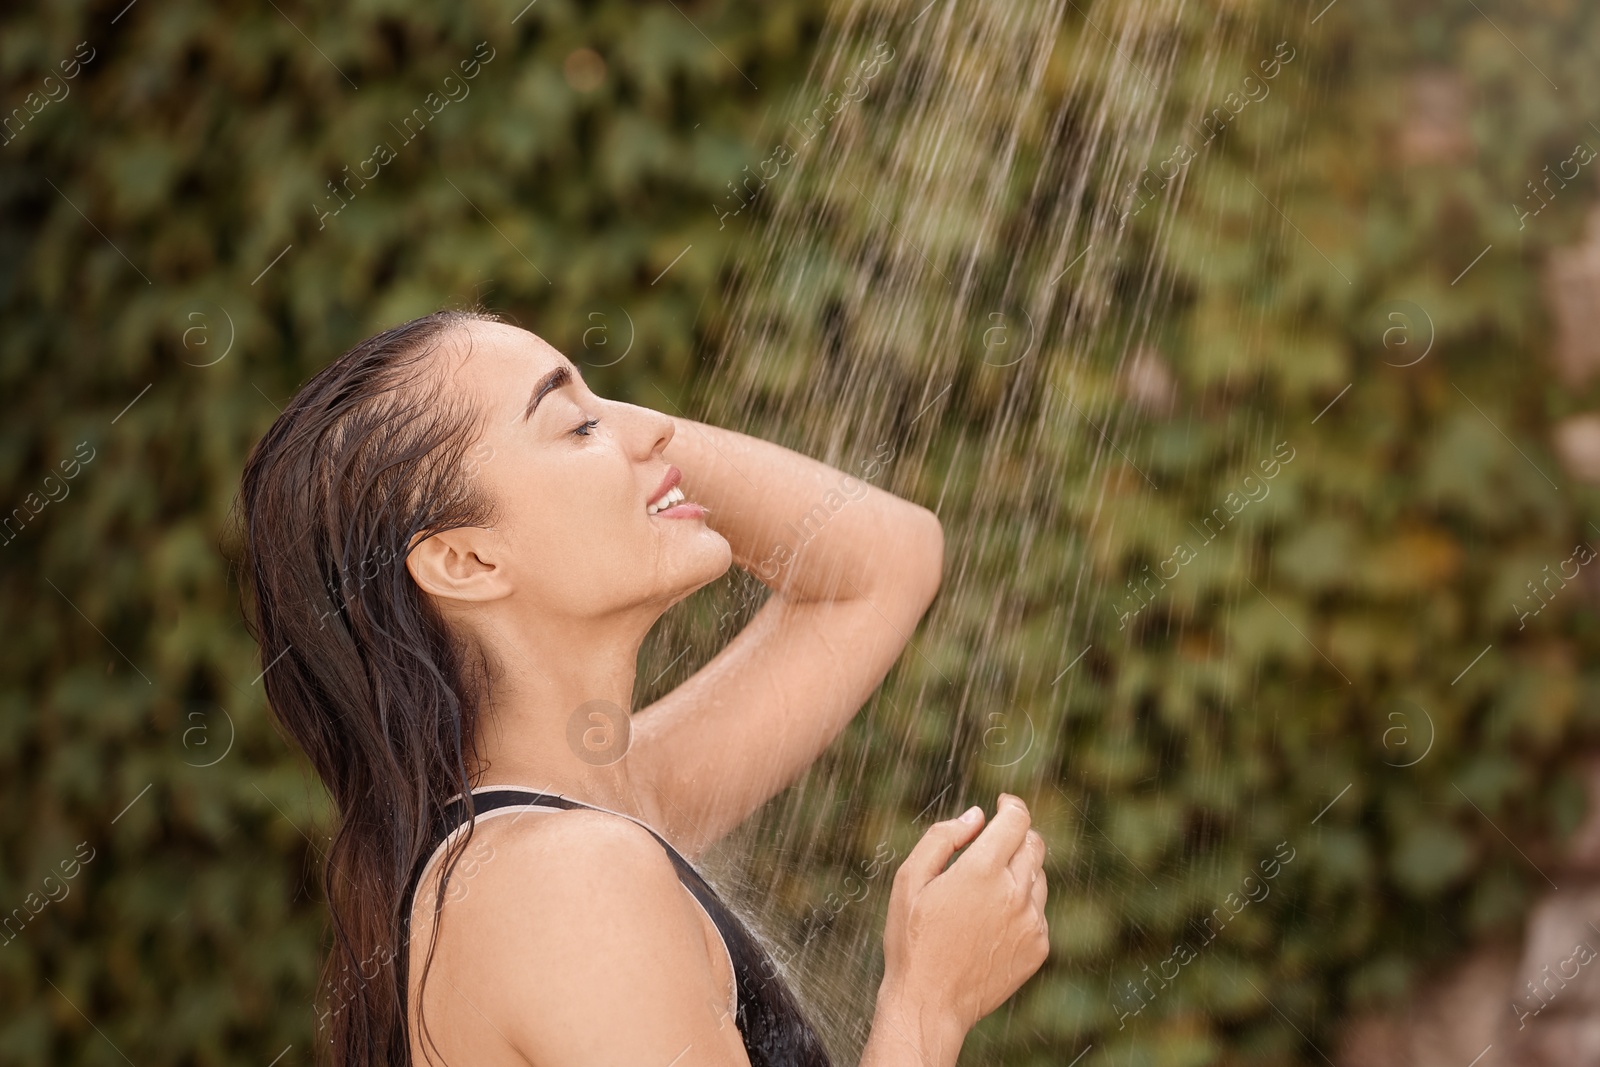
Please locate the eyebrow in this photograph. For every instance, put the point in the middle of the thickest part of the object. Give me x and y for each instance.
(549, 383)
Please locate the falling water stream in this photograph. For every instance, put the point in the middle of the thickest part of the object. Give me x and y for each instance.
(937, 292)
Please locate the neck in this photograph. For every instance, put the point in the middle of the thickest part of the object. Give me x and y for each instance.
(557, 717)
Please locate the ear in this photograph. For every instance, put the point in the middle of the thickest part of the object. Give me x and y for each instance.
(458, 565)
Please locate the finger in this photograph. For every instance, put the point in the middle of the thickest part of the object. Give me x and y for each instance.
(1040, 892)
(1028, 858)
(1002, 837)
(930, 855)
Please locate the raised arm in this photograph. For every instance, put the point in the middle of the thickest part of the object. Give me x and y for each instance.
(851, 567)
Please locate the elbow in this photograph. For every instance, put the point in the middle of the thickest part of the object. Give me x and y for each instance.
(900, 562)
(923, 547)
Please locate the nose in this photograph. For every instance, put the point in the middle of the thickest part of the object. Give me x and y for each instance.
(655, 430)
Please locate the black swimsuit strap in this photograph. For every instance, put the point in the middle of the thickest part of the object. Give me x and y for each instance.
(455, 816)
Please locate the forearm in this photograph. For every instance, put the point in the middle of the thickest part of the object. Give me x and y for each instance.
(905, 1035)
(807, 530)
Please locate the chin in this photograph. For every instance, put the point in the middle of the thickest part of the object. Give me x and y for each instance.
(683, 569)
(712, 559)
(718, 559)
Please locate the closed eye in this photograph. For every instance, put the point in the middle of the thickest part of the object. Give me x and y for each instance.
(588, 424)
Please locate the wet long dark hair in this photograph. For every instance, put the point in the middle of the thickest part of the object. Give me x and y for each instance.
(361, 671)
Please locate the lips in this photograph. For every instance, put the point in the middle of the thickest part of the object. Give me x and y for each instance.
(670, 502)
(668, 483)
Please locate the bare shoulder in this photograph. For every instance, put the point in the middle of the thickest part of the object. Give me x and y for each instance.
(569, 934)
(580, 857)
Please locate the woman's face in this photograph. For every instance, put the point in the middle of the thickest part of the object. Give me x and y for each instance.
(572, 475)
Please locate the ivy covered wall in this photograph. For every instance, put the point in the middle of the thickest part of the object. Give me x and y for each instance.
(1270, 486)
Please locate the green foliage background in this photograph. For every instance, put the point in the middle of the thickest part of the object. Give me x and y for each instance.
(163, 208)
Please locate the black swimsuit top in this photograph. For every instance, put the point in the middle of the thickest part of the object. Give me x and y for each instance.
(774, 1030)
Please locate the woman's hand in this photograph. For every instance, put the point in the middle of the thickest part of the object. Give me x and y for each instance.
(960, 941)
(851, 569)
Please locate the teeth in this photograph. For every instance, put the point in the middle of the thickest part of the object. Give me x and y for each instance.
(673, 496)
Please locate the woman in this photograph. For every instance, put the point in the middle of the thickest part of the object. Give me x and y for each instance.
(456, 550)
